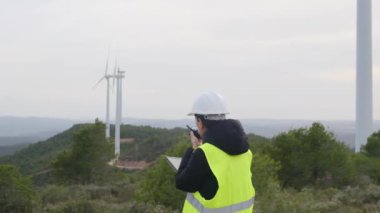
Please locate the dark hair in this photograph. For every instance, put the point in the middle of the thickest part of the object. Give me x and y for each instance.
(207, 123)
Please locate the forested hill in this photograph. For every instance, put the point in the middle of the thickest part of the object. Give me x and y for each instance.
(139, 143)
(333, 178)
(38, 156)
(151, 143)
(147, 143)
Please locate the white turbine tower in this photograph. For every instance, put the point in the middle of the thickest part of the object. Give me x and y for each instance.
(364, 114)
(119, 75)
(107, 78)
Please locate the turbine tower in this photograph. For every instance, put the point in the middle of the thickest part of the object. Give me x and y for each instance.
(364, 113)
(107, 78)
(119, 77)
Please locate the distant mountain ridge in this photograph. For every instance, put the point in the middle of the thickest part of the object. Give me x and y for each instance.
(16, 131)
(37, 128)
(344, 130)
(11, 126)
(39, 155)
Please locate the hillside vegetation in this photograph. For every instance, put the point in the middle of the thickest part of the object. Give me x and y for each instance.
(148, 144)
(11, 149)
(38, 156)
(302, 170)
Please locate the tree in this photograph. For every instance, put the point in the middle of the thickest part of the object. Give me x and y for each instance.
(16, 194)
(367, 167)
(158, 184)
(264, 173)
(312, 156)
(86, 162)
(368, 160)
(372, 148)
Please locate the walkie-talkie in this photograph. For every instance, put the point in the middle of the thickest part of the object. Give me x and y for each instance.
(195, 132)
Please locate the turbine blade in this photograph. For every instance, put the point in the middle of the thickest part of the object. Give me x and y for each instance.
(115, 67)
(108, 57)
(114, 73)
(98, 82)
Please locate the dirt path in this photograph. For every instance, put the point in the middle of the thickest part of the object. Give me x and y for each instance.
(127, 164)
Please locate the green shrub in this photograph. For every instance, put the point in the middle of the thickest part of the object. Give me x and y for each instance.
(312, 157)
(86, 162)
(367, 167)
(264, 172)
(158, 183)
(53, 194)
(372, 148)
(16, 194)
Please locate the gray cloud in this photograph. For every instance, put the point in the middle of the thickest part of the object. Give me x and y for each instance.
(271, 59)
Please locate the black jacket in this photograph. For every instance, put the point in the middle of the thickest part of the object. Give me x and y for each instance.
(194, 173)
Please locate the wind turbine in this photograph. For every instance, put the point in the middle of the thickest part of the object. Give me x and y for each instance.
(364, 111)
(107, 78)
(119, 75)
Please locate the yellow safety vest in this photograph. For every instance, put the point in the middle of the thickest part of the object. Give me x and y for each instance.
(235, 192)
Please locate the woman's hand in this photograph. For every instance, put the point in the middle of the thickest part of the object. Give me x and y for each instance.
(195, 142)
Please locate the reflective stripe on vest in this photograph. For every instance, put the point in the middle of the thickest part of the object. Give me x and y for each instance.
(227, 209)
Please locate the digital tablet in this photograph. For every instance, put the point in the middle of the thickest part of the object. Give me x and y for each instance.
(174, 162)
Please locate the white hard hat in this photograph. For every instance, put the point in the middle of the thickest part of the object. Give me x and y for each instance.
(209, 103)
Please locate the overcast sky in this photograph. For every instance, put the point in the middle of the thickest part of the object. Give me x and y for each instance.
(275, 59)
